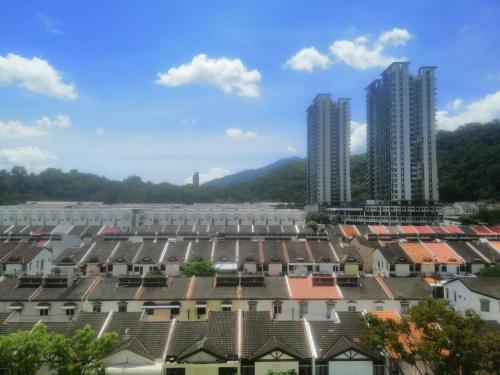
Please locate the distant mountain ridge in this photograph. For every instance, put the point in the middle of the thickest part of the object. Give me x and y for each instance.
(249, 174)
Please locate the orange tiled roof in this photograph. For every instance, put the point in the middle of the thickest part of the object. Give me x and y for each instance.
(349, 230)
(423, 229)
(389, 314)
(444, 253)
(407, 229)
(496, 244)
(379, 229)
(437, 229)
(302, 288)
(418, 253)
(496, 229)
(452, 229)
(481, 229)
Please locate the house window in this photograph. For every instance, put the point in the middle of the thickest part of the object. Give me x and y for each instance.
(201, 308)
(392, 268)
(485, 305)
(252, 306)
(379, 307)
(447, 293)
(122, 306)
(44, 312)
(175, 310)
(303, 308)
(226, 306)
(277, 308)
(351, 308)
(405, 308)
(330, 307)
(96, 307)
(454, 296)
(444, 268)
(70, 312)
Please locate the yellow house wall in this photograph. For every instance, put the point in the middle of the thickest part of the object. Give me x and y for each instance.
(351, 269)
(261, 368)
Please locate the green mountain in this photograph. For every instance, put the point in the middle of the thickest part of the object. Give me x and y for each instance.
(468, 159)
(249, 174)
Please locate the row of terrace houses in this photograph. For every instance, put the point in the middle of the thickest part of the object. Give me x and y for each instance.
(316, 297)
(227, 343)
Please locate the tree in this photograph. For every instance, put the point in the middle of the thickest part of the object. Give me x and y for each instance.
(22, 352)
(491, 271)
(26, 352)
(202, 267)
(313, 225)
(438, 338)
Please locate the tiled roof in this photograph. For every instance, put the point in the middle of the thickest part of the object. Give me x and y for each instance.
(126, 252)
(379, 229)
(220, 329)
(176, 252)
(348, 254)
(225, 251)
(488, 286)
(107, 289)
(75, 292)
(273, 252)
(443, 253)
(297, 252)
(6, 249)
(272, 344)
(368, 289)
(394, 254)
(150, 252)
(248, 252)
(418, 253)
(24, 253)
(100, 252)
(467, 253)
(349, 230)
(488, 251)
(408, 288)
(9, 291)
(152, 334)
(204, 288)
(275, 289)
(72, 255)
(303, 288)
(257, 331)
(322, 252)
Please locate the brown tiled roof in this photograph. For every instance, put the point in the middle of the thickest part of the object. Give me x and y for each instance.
(408, 288)
(204, 288)
(74, 292)
(275, 289)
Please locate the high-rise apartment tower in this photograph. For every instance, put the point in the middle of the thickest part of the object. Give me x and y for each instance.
(328, 150)
(401, 135)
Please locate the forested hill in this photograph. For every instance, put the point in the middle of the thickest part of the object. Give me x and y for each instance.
(468, 159)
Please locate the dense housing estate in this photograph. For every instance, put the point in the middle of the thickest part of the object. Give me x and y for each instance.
(277, 289)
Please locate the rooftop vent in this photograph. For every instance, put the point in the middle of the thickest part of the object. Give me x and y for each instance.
(346, 280)
(154, 281)
(227, 280)
(29, 281)
(252, 280)
(320, 280)
(129, 281)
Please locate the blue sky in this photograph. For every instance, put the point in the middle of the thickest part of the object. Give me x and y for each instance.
(161, 89)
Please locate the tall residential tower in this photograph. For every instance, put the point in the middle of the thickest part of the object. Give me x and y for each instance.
(328, 150)
(401, 135)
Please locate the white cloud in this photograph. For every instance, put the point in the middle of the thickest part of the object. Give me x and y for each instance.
(213, 173)
(291, 150)
(484, 109)
(307, 59)
(60, 121)
(99, 131)
(455, 105)
(358, 137)
(395, 37)
(360, 54)
(16, 129)
(35, 75)
(226, 74)
(236, 133)
(32, 158)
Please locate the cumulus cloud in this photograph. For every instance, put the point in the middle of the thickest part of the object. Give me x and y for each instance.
(484, 109)
(358, 137)
(455, 105)
(291, 150)
(236, 133)
(32, 158)
(361, 54)
(211, 174)
(307, 59)
(16, 129)
(231, 76)
(35, 75)
(395, 37)
(99, 131)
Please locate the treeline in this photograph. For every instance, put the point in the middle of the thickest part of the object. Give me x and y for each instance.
(468, 162)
